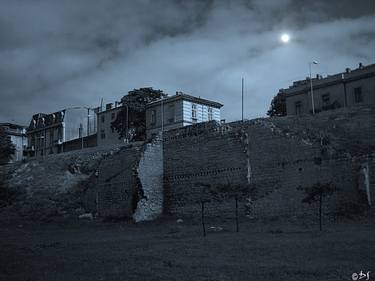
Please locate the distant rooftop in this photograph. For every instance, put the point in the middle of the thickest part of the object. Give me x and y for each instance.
(320, 81)
(183, 96)
(12, 126)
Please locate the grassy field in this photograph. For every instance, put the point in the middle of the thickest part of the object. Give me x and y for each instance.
(165, 250)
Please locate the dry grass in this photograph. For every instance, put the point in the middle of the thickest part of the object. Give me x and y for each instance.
(164, 250)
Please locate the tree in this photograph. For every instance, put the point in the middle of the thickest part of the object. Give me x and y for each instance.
(7, 148)
(278, 106)
(131, 120)
(316, 193)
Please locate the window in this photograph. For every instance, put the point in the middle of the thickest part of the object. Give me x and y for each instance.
(358, 95)
(102, 134)
(113, 115)
(153, 117)
(102, 118)
(194, 112)
(171, 114)
(209, 113)
(51, 137)
(325, 99)
(298, 107)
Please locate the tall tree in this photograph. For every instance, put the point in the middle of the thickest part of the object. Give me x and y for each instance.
(7, 148)
(131, 120)
(278, 106)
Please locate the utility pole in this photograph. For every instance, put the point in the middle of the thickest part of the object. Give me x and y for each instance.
(311, 87)
(81, 134)
(242, 97)
(162, 117)
(88, 121)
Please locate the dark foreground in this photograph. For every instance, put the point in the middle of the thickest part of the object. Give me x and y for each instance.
(165, 250)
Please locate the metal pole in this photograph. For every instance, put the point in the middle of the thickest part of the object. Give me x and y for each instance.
(162, 117)
(311, 91)
(81, 130)
(242, 97)
(127, 123)
(237, 224)
(88, 121)
(203, 225)
(44, 143)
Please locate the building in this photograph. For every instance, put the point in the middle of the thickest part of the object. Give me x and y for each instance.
(17, 134)
(129, 114)
(349, 88)
(47, 133)
(178, 111)
(107, 135)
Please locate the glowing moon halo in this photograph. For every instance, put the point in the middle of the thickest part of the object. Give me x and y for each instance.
(285, 38)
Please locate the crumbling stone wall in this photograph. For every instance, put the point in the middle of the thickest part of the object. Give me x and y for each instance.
(276, 158)
(150, 174)
(130, 182)
(117, 182)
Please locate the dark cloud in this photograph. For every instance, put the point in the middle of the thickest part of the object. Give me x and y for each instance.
(56, 54)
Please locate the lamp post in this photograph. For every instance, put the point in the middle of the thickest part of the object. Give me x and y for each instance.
(162, 116)
(127, 122)
(311, 87)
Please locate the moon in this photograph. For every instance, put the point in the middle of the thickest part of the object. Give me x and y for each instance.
(285, 38)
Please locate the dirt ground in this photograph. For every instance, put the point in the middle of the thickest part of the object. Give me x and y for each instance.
(166, 250)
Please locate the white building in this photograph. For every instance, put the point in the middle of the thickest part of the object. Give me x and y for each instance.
(178, 111)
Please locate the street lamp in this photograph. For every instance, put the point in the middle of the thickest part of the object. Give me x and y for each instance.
(127, 122)
(311, 87)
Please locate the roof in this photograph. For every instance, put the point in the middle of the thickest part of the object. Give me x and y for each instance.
(13, 126)
(303, 86)
(42, 120)
(182, 96)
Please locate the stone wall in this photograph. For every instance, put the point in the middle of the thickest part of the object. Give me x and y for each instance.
(130, 182)
(117, 181)
(77, 144)
(272, 160)
(150, 174)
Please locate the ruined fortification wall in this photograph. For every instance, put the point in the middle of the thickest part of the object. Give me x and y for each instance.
(275, 159)
(117, 181)
(130, 182)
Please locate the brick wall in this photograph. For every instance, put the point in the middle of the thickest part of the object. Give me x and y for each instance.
(117, 182)
(76, 144)
(130, 182)
(272, 160)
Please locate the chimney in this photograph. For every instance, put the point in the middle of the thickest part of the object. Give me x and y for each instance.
(360, 65)
(347, 70)
(108, 106)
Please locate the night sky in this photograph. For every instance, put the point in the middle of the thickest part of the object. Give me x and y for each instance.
(56, 54)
